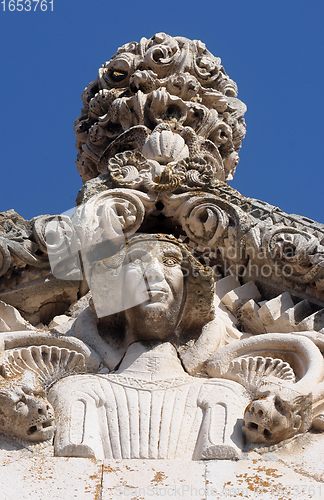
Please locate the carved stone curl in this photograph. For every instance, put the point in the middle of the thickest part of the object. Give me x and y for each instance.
(298, 250)
(149, 95)
(281, 407)
(108, 216)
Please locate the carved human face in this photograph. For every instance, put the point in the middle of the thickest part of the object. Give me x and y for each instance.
(24, 410)
(154, 273)
(270, 419)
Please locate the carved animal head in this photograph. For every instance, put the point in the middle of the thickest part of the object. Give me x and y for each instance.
(277, 414)
(25, 412)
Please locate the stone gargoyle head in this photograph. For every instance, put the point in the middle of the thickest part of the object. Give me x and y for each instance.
(277, 413)
(25, 412)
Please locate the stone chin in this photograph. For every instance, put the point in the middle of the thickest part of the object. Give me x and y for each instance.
(152, 321)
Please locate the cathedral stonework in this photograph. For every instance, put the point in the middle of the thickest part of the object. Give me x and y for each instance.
(169, 320)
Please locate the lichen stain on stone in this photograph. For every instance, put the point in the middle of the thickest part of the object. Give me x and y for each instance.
(255, 483)
(94, 476)
(97, 487)
(159, 478)
(129, 468)
(109, 469)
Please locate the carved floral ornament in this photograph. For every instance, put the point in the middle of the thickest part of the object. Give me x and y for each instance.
(303, 251)
(170, 99)
(211, 223)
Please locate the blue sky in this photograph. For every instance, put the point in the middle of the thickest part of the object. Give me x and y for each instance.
(273, 50)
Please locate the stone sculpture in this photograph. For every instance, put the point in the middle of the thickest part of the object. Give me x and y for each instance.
(174, 301)
(169, 317)
(276, 415)
(25, 412)
(175, 88)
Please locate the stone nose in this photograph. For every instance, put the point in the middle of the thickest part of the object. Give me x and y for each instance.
(38, 407)
(259, 408)
(153, 271)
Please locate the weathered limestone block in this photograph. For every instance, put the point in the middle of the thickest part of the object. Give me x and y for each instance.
(268, 480)
(291, 318)
(153, 479)
(250, 319)
(225, 285)
(48, 477)
(11, 319)
(273, 309)
(239, 296)
(313, 322)
(254, 476)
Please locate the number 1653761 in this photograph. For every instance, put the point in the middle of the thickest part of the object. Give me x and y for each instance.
(27, 5)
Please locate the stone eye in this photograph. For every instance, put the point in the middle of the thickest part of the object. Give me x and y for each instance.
(170, 261)
(279, 406)
(139, 260)
(118, 76)
(21, 404)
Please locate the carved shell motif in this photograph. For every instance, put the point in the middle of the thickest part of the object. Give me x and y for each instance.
(165, 146)
(49, 363)
(251, 371)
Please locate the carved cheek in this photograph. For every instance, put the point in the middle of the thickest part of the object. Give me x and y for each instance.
(280, 424)
(174, 278)
(21, 410)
